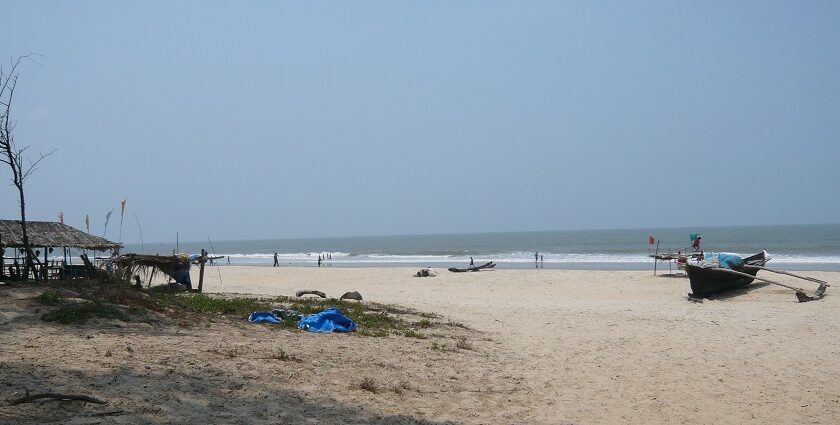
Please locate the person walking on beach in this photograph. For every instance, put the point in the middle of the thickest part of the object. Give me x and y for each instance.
(541, 260)
(472, 263)
(536, 260)
(276, 263)
(319, 261)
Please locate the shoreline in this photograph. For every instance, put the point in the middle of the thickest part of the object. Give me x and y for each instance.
(587, 266)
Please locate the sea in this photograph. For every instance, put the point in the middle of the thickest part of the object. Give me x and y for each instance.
(791, 247)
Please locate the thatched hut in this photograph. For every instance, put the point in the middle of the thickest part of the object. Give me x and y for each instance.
(48, 235)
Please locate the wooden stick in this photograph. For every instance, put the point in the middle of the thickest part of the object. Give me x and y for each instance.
(787, 273)
(201, 262)
(654, 258)
(721, 269)
(31, 398)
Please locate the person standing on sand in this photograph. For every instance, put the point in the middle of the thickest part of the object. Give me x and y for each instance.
(541, 260)
(276, 263)
(536, 260)
(472, 263)
(319, 261)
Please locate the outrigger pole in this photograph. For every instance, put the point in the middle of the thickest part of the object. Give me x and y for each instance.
(800, 293)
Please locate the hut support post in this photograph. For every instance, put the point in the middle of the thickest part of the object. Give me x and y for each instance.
(2, 254)
(654, 258)
(201, 262)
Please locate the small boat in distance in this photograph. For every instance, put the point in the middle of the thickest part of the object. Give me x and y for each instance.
(710, 279)
(485, 266)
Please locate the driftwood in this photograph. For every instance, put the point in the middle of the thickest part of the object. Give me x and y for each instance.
(310, 292)
(111, 413)
(61, 397)
(351, 296)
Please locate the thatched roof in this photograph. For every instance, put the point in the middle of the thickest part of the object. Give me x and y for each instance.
(51, 234)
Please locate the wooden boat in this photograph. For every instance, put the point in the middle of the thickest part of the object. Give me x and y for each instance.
(707, 280)
(487, 265)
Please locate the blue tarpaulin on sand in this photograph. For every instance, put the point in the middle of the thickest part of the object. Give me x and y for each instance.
(263, 316)
(329, 320)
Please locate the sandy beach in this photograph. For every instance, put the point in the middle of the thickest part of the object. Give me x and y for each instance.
(543, 346)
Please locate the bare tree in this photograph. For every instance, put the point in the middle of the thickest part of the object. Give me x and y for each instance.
(21, 166)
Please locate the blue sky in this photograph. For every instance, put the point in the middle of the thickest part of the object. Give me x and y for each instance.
(251, 120)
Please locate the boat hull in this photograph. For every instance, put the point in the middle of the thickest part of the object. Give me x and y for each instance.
(707, 281)
(487, 265)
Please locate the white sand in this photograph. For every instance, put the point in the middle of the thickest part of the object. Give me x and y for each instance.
(548, 346)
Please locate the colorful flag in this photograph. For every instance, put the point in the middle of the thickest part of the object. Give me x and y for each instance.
(651, 240)
(87, 222)
(61, 217)
(122, 210)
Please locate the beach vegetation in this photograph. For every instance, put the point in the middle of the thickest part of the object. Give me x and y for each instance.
(411, 333)
(372, 333)
(368, 384)
(82, 300)
(457, 325)
(51, 297)
(282, 355)
(202, 303)
(81, 312)
(463, 344)
(402, 387)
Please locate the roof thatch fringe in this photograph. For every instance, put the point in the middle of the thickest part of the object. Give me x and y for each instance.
(51, 234)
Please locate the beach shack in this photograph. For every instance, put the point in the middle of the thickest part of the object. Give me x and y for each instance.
(51, 242)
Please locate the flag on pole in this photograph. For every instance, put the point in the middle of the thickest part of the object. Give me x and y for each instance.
(651, 240)
(87, 222)
(122, 210)
(107, 219)
(61, 217)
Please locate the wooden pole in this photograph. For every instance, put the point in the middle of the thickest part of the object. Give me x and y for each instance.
(787, 273)
(721, 269)
(201, 262)
(654, 258)
(2, 254)
(670, 261)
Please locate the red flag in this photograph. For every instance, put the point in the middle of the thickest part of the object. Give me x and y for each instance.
(651, 240)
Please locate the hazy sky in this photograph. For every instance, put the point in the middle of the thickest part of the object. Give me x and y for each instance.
(251, 120)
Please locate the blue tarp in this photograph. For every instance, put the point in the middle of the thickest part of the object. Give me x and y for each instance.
(730, 261)
(329, 320)
(263, 316)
